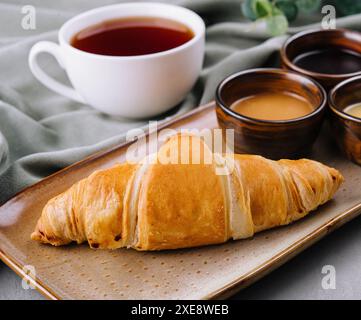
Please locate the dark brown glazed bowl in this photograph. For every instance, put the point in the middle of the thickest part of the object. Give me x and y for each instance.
(346, 128)
(273, 139)
(315, 40)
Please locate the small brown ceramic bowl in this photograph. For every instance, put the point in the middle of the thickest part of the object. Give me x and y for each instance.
(346, 128)
(314, 40)
(272, 139)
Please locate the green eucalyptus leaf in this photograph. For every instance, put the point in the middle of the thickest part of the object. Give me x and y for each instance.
(247, 10)
(348, 7)
(308, 5)
(268, 11)
(262, 8)
(288, 8)
(277, 24)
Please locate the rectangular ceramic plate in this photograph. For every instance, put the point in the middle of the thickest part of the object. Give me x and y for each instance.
(77, 272)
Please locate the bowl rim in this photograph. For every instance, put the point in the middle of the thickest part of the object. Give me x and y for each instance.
(332, 104)
(313, 74)
(220, 103)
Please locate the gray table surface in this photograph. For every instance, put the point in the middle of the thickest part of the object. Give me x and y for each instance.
(300, 278)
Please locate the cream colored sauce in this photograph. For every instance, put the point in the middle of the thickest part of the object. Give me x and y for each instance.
(273, 106)
(354, 110)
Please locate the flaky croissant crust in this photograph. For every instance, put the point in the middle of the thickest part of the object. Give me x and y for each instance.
(155, 205)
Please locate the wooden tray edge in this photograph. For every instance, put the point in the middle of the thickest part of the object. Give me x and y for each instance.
(286, 255)
(39, 286)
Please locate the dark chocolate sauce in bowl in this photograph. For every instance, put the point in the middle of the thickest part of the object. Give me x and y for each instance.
(330, 61)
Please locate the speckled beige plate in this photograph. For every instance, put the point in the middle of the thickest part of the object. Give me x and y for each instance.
(77, 272)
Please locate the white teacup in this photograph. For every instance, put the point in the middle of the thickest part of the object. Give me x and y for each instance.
(128, 86)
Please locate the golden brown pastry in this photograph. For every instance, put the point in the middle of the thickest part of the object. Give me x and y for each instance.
(163, 203)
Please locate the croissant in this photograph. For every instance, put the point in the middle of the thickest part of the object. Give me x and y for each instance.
(156, 205)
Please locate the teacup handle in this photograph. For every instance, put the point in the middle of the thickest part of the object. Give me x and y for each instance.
(45, 79)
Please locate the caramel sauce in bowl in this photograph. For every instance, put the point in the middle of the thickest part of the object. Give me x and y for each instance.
(273, 106)
(281, 138)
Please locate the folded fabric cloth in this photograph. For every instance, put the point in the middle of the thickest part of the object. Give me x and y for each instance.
(42, 132)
